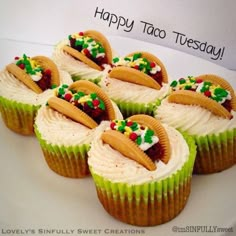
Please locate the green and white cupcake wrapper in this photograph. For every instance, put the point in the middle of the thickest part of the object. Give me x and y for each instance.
(132, 108)
(96, 80)
(150, 203)
(18, 117)
(215, 152)
(68, 161)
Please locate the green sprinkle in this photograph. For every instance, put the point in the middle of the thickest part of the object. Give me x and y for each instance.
(182, 81)
(93, 95)
(115, 59)
(187, 87)
(90, 104)
(102, 105)
(136, 56)
(127, 59)
(138, 140)
(53, 86)
(65, 86)
(174, 83)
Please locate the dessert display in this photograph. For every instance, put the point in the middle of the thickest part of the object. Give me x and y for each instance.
(26, 84)
(205, 108)
(85, 55)
(137, 83)
(65, 126)
(142, 169)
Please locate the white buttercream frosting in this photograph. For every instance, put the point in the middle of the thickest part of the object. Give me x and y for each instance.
(126, 91)
(112, 165)
(13, 89)
(193, 119)
(73, 66)
(57, 129)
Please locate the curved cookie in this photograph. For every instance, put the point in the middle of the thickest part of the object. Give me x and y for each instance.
(223, 83)
(150, 57)
(23, 77)
(130, 149)
(159, 131)
(126, 146)
(89, 87)
(71, 111)
(133, 76)
(98, 37)
(47, 63)
(192, 98)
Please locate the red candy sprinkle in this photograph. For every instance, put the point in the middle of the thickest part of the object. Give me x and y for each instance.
(22, 66)
(199, 81)
(152, 64)
(133, 136)
(16, 58)
(96, 102)
(86, 52)
(68, 97)
(129, 123)
(136, 67)
(81, 33)
(112, 125)
(207, 93)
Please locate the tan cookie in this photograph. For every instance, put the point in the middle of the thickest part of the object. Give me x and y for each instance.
(98, 37)
(217, 80)
(47, 63)
(133, 76)
(71, 111)
(187, 97)
(89, 87)
(159, 131)
(130, 149)
(150, 57)
(22, 76)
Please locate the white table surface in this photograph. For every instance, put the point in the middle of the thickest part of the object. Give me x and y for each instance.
(36, 201)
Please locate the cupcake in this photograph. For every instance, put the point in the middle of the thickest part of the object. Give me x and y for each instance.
(137, 83)
(65, 126)
(85, 55)
(204, 107)
(142, 169)
(26, 84)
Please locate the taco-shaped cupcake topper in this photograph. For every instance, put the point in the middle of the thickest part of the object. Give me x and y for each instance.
(83, 102)
(208, 91)
(146, 65)
(37, 73)
(141, 138)
(90, 47)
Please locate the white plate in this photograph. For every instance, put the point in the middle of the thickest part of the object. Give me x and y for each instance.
(36, 201)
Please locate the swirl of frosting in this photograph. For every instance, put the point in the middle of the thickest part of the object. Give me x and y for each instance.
(125, 91)
(193, 119)
(112, 165)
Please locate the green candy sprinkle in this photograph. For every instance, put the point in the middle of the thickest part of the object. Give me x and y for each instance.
(174, 83)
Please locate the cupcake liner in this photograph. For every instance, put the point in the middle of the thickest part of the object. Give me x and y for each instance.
(132, 108)
(215, 152)
(68, 161)
(150, 203)
(94, 80)
(18, 117)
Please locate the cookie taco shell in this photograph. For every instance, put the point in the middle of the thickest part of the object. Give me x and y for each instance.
(98, 37)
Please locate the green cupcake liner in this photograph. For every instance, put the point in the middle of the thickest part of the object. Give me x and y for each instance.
(215, 152)
(131, 108)
(94, 80)
(17, 116)
(150, 203)
(68, 161)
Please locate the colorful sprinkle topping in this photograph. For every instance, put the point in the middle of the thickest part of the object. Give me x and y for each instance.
(138, 62)
(89, 103)
(141, 135)
(30, 66)
(86, 45)
(206, 88)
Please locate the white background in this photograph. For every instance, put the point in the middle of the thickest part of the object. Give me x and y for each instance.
(48, 21)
